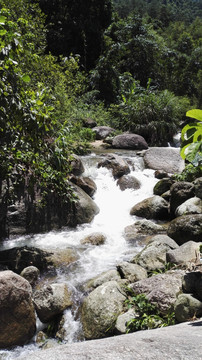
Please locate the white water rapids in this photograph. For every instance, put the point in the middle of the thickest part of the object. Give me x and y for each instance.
(113, 217)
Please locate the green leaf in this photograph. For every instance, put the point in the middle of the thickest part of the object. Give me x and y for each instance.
(195, 114)
(3, 32)
(26, 78)
(2, 19)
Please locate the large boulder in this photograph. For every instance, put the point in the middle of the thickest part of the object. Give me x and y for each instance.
(162, 186)
(17, 315)
(100, 310)
(179, 193)
(190, 206)
(142, 228)
(128, 182)
(129, 141)
(186, 307)
(184, 254)
(154, 207)
(85, 183)
(102, 132)
(77, 167)
(17, 259)
(85, 207)
(185, 228)
(164, 158)
(115, 163)
(153, 256)
(162, 289)
(52, 300)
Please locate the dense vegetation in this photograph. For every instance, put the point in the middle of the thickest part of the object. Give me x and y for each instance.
(134, 65)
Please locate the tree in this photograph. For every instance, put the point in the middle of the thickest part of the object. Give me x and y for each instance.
(76, 27)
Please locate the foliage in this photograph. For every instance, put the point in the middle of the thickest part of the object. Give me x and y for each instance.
(191, 136)
(76, 27)
(155, 115)
(148, 316)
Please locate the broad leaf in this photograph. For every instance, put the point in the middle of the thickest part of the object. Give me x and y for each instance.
(195, 114)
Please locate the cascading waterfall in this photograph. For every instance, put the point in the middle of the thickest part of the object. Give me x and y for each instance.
(113, 217)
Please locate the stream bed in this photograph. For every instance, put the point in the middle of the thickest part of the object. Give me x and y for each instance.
(113, 217)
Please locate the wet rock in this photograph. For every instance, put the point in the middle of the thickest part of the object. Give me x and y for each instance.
(160, 174)
(153, 256)
(17, 315)
(76, 165)
(85, 207)
(164, 158)
(184, 254)
(190, 206)
(17, 259)
(162, 289)
(52, 300)
(129, 141)
(95, 238)
(31, 274)
(154, 207)
(128, 182)
(62, 258)
(186, 228)
(162, 186)
(186, 307)
(131, 272)
(102, 132)
(100, 310)
(85, 183)
(115, 163)
(179, 193)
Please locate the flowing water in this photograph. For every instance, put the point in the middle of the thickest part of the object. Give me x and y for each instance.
(113, 217)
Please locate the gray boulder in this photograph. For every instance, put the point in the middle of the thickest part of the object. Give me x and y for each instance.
(95, 238)
(190, 206)
(85, 207)
(185, 228)
(89, 123)
(110, 275)
(121, 322)
(162, 289)
(186, 307)
(184, 254)
(17, 315)
(115, 163)
(142, 227)
(164, 158)
(102, 132)
(153, 256)
(128, 182)
(179, 193)
(85, 183)
(100, 310)
(131, 272)
(52, 300)
(129, 141)
(154, 207)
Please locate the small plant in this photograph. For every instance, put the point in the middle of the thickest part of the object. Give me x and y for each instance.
(167, 266)
(148, 316)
